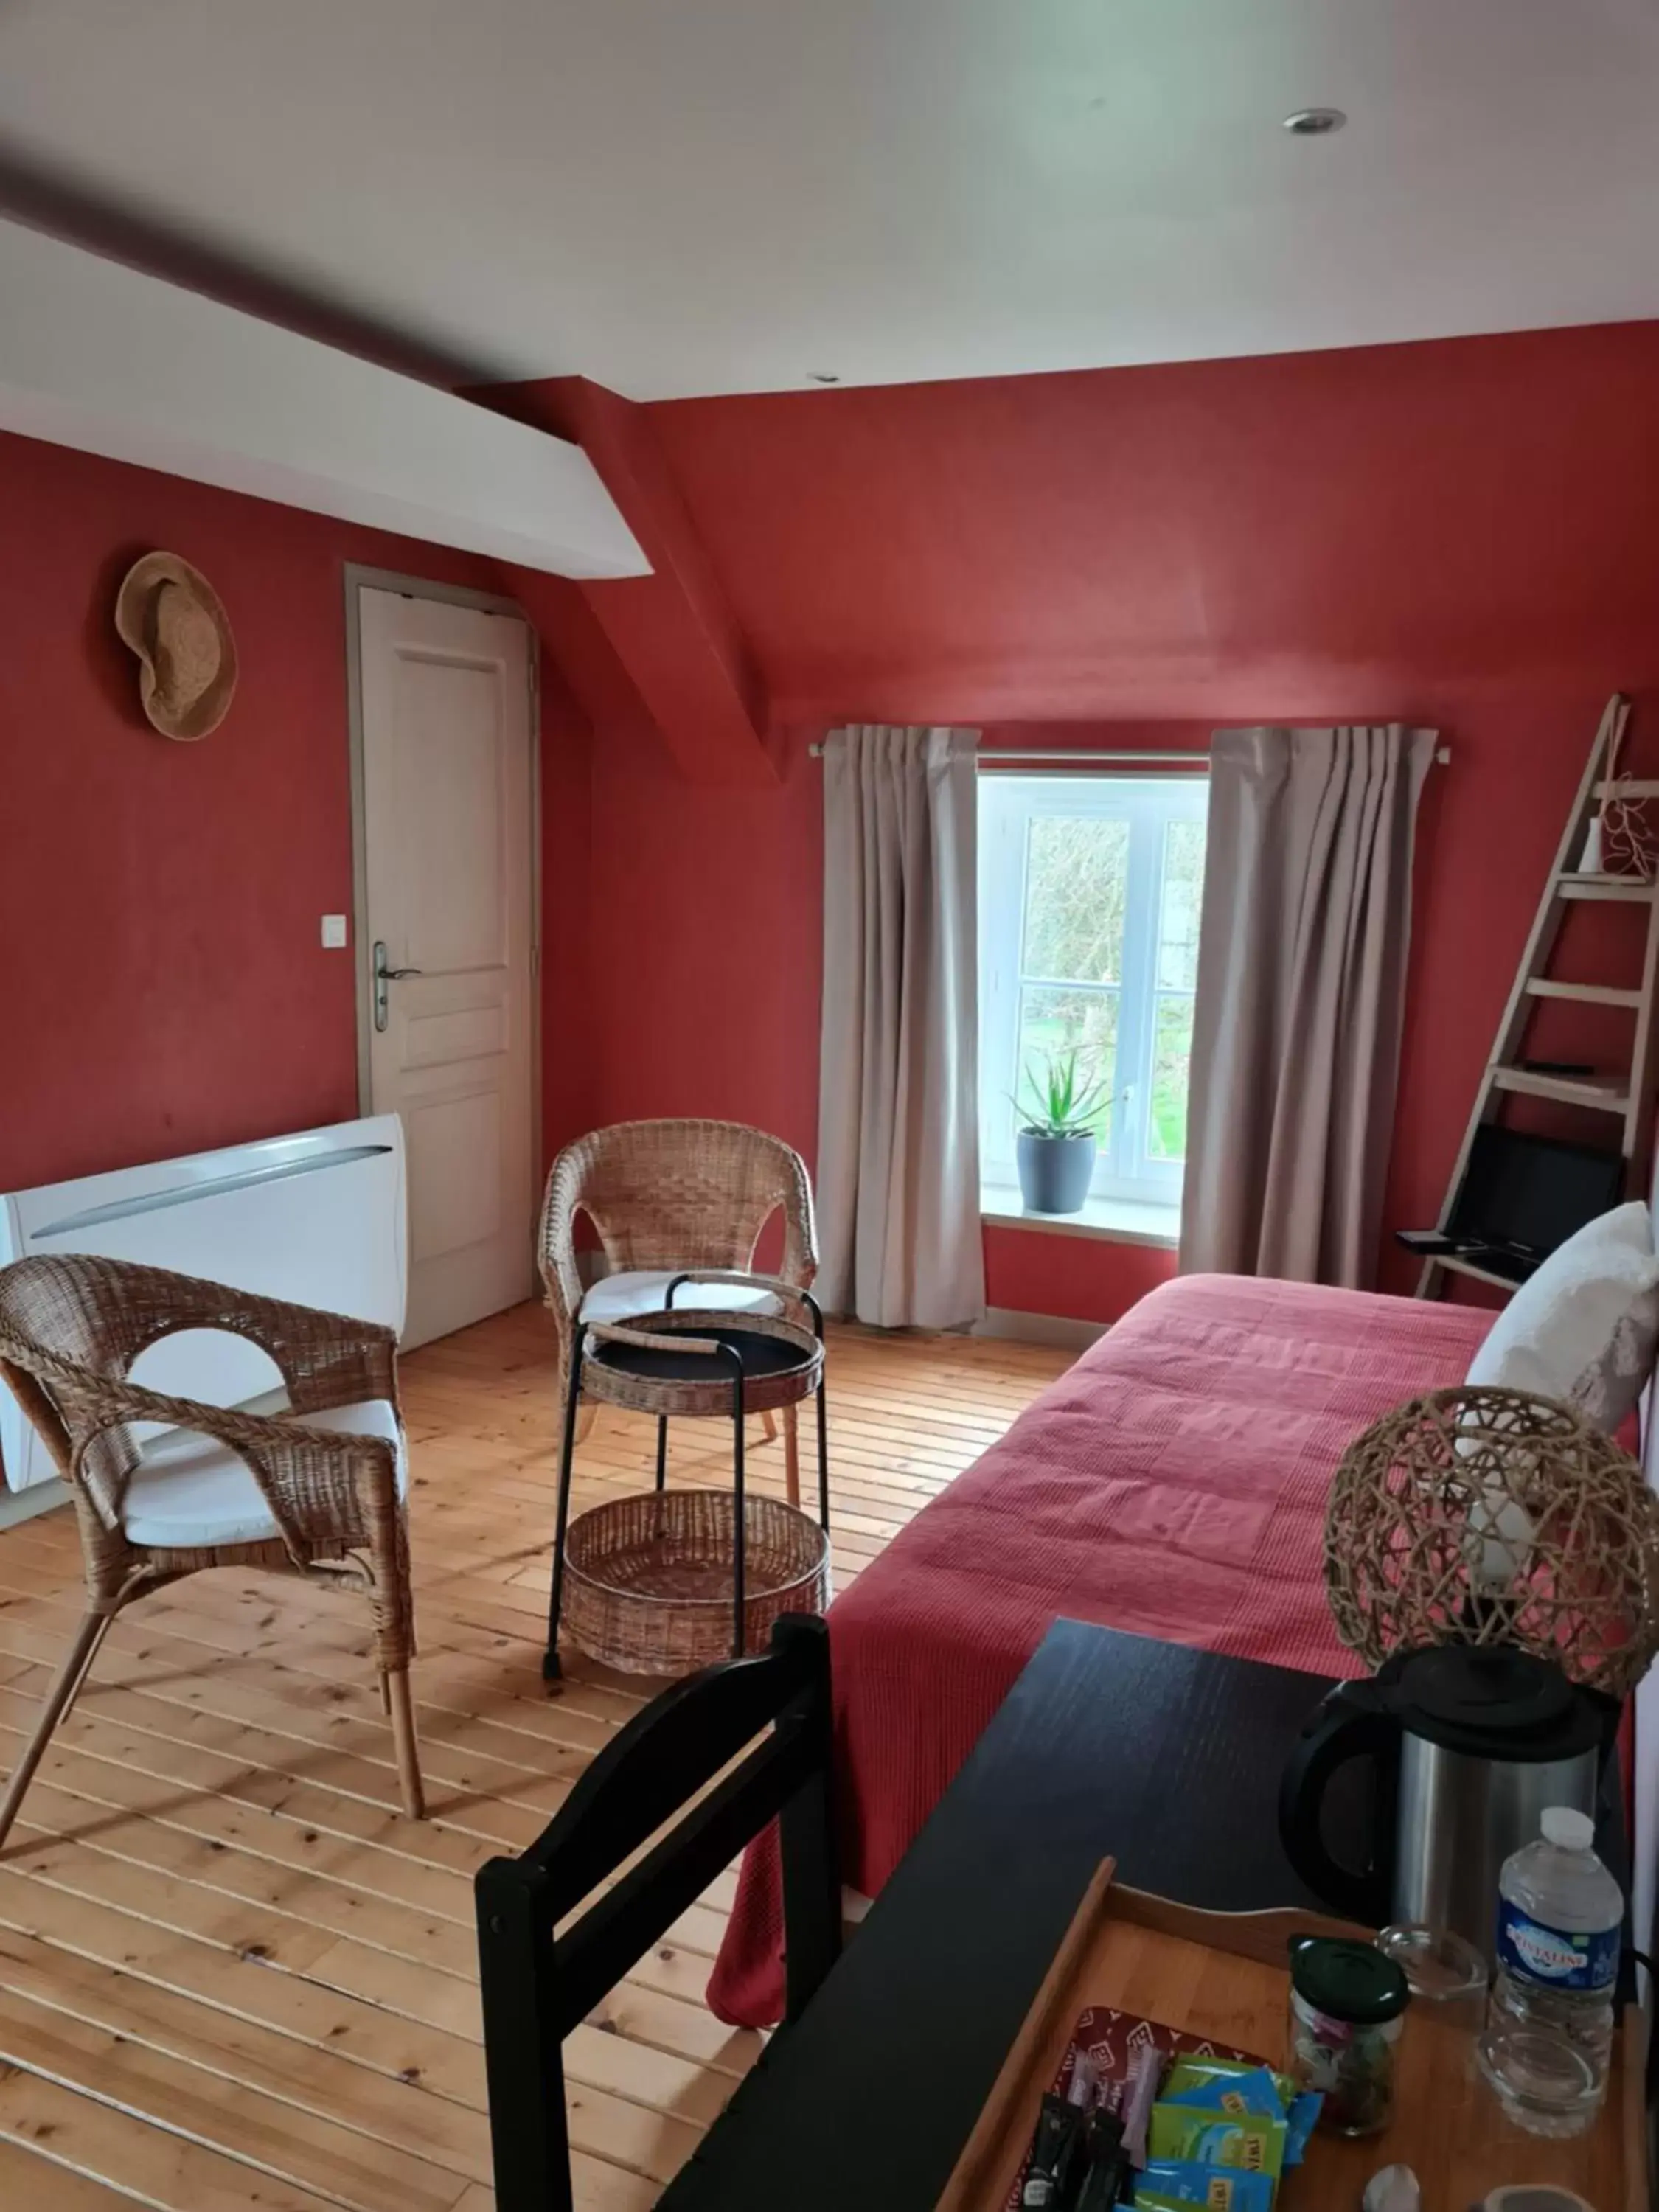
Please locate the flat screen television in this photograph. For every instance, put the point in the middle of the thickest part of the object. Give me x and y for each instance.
(1528, 1195)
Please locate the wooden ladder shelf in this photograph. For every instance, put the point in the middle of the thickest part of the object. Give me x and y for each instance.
(1628, 1098)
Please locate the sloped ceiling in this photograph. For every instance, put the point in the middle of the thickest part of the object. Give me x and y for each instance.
(729, 196)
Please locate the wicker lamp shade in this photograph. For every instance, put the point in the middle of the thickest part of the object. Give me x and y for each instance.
(1489, 1515)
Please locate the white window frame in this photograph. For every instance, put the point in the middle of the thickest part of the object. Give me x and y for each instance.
(1007, 804)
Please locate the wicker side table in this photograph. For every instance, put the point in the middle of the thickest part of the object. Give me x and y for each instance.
(695, 1365)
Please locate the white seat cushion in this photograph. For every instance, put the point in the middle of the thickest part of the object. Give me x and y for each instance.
(190, 1492)
(1584, 1327)
(643, 1290)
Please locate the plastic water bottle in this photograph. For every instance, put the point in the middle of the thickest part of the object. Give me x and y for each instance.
(1549, 2029)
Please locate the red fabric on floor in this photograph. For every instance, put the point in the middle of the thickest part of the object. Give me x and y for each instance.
(1173, 1483)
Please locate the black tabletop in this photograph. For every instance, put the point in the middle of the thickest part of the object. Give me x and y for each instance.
(1165, 1758)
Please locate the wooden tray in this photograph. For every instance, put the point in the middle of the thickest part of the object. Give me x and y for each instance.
(1224, 1975)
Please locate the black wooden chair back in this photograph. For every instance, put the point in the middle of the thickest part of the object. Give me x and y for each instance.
(537, 1987)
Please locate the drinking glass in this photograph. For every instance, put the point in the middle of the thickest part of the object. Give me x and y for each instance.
(1447, 1975)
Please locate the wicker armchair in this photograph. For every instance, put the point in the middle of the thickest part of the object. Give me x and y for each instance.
(316, 1489)
(668, 1195)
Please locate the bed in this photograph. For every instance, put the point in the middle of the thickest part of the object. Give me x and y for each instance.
(1172, 1483)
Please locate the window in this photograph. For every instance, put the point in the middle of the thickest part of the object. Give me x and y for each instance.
(1089, 896)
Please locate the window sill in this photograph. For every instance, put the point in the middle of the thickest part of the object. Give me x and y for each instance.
(1119, 1220)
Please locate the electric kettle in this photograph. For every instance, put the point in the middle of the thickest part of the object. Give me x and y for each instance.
(1469, 1745)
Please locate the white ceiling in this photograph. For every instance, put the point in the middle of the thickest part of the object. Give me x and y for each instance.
(691, 195)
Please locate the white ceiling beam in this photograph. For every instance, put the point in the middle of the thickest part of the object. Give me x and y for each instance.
(97, 356)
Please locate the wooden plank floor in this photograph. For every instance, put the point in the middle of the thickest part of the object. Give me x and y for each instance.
(231, 1974)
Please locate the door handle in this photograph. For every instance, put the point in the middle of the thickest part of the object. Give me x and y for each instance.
(383, 975)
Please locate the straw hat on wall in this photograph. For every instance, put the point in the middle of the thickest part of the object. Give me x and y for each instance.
(170, 616)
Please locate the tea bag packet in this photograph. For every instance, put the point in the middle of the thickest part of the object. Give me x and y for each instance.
(1253, 2141)
(1175, 2185)
(1229, 2086)
(1300, 2124)
(1218, 2086)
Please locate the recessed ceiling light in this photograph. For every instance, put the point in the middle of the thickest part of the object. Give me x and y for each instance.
(821, 376)
(1315, 122)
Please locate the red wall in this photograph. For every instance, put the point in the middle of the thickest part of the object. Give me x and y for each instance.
(1085, 1278)
(1216, 538)
(164, 984)
(1460, 533)
(707, 909)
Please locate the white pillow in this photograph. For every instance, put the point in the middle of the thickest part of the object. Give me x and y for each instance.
(1585, 1326)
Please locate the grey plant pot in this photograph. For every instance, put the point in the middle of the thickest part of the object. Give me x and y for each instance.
(1054, 1171)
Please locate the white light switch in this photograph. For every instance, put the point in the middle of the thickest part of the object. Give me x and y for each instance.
(334, 931)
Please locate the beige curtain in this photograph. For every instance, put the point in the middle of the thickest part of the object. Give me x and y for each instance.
(898, 1096)
(1301, 989)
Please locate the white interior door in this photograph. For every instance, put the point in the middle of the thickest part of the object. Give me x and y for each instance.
(449, 965)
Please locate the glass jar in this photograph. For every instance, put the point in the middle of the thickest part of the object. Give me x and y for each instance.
(1346, 2005)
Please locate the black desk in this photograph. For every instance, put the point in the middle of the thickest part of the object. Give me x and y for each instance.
(1165, 1758)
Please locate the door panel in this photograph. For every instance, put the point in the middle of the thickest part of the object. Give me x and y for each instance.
(448, 790)
(455, 1150)
(451, 809)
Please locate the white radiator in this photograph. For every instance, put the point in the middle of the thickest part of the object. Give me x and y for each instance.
(317, 1218)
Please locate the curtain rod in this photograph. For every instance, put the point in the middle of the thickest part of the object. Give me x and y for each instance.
(1061, 753)
(1443, 755)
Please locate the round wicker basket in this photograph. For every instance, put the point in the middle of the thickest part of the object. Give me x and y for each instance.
(647, 1586)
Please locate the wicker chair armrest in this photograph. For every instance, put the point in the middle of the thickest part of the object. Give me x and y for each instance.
(123, 1400)
(258, 1439)
(800, 1234)
(362, 1367)
(282, 1317)
(562, 1280)
(562, 1290)
(324, 1358)
(778, 1285)
(642, 1339)
(113, 1311)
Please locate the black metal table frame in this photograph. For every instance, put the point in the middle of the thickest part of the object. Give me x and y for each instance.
(552, 1671)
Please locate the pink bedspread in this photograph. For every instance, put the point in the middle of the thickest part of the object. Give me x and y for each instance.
(1172, 1483)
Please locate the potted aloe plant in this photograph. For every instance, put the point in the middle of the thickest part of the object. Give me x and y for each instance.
(1055, 1148)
